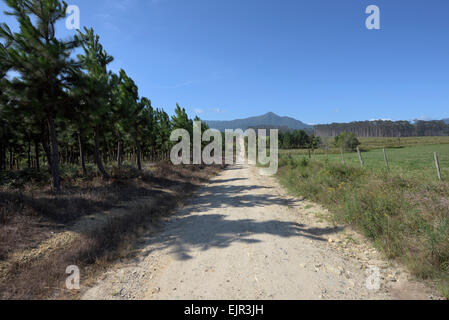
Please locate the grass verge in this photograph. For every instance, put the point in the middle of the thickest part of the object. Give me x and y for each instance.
(406, 218)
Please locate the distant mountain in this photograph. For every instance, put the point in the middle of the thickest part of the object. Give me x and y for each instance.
(281, 129)
(446, 120)
(269, 120)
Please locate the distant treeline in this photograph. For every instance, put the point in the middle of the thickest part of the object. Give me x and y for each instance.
(298, 139)
(292, 139)
(382, 128)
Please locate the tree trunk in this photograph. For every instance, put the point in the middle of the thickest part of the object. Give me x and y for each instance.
(47, 152)
(138, 152)
(29, 154)
(2, 158)
(119, 153)
(36, 152)
(109, 156)
(11, 159)
(54, 155)
(98, 155)
(138, 156)
(81, 146)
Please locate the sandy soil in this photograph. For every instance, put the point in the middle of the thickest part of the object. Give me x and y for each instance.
(242, 237)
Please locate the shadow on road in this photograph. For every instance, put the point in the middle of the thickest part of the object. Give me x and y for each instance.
(209, 227)
(203, 232)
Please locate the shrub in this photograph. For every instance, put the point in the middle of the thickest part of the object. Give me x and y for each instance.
(347, 141)
(18, 179)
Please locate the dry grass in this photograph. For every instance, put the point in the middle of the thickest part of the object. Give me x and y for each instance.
(30, 218)
(406, 217)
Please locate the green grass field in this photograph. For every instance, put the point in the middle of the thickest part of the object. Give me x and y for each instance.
(378, 143)
(411, 156)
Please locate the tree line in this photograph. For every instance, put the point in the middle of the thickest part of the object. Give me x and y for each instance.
(56, 108)
(291, 139)
(298, 139)
(382, 128)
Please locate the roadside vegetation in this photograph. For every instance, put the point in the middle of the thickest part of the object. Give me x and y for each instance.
(404, 211)
(91, 223)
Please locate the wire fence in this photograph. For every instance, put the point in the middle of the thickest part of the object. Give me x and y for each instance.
(427, 159)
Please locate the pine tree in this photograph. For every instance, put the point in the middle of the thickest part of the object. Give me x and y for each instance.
(42, 60)
(96, 87)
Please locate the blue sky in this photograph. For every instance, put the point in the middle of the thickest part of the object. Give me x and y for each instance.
(310, 59)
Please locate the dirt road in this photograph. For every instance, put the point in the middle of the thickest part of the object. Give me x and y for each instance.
(242, 237)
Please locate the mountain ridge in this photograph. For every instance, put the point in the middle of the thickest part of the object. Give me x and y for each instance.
(269, 119)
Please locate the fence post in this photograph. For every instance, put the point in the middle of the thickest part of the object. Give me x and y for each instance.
(360, 157)
(437, 164)
(342, 156)
(386, 159)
